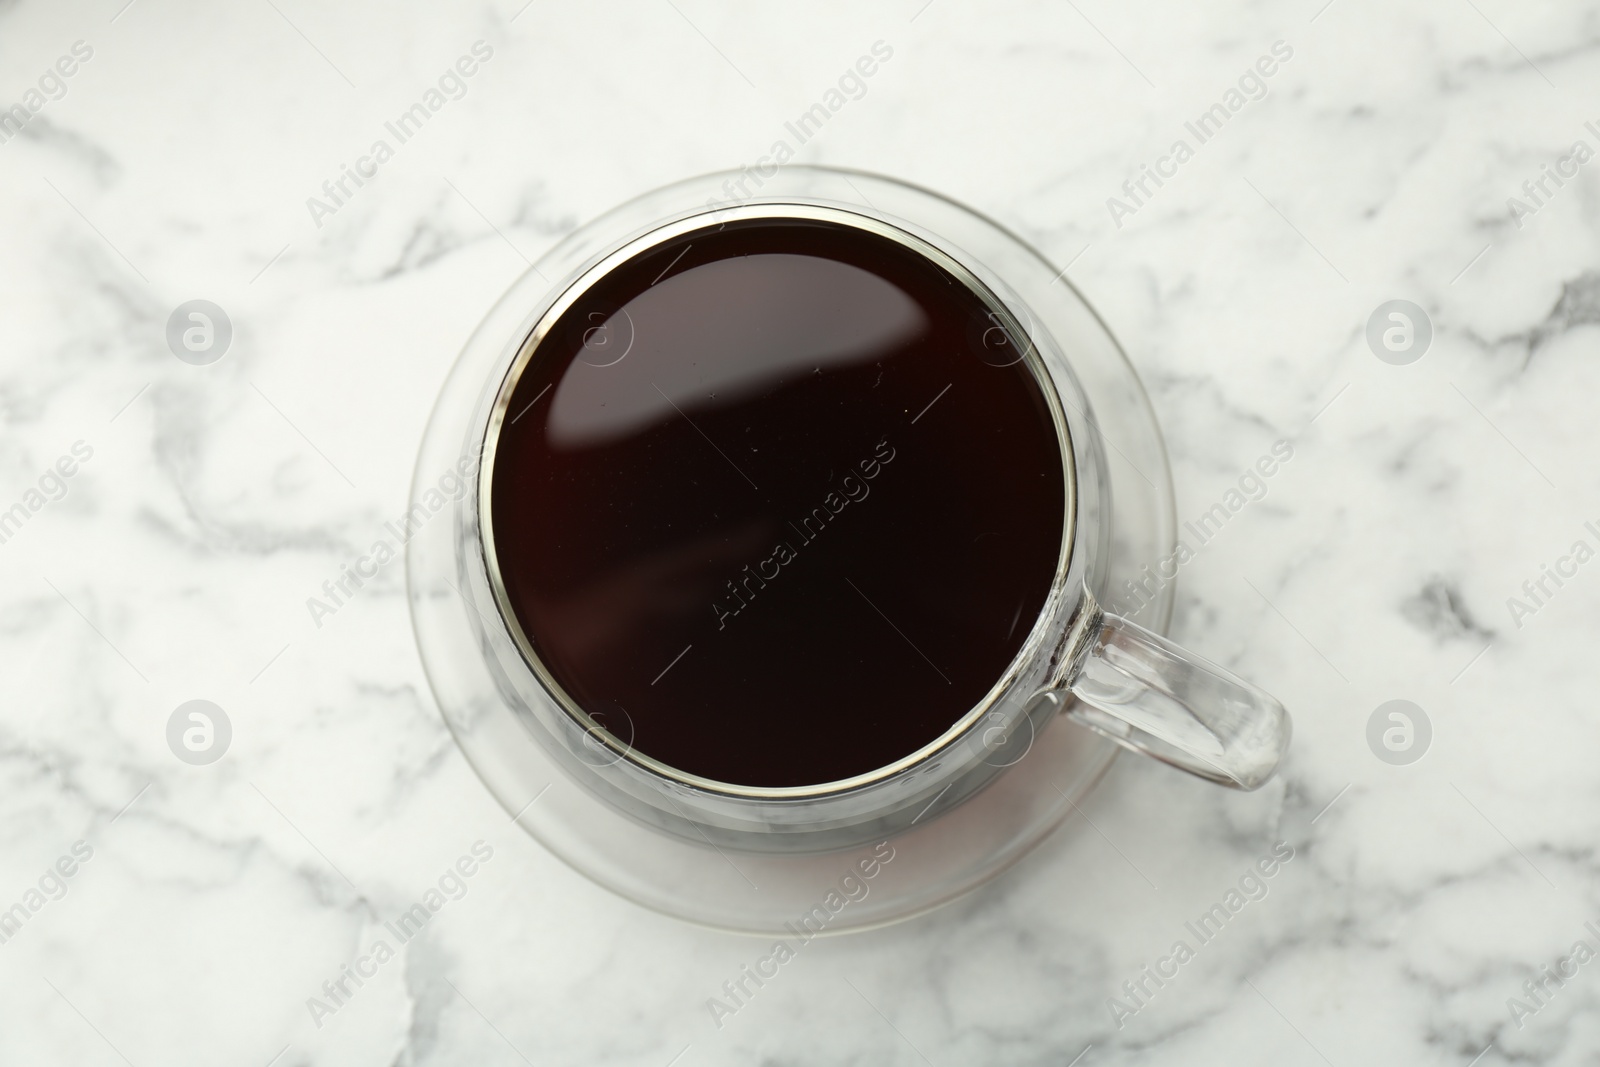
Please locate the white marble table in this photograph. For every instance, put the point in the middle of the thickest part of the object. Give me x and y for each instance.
(206, 503)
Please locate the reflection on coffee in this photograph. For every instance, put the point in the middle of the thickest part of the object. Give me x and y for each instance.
(777, 501)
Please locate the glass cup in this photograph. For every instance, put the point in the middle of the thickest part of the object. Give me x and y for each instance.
(1080, 664)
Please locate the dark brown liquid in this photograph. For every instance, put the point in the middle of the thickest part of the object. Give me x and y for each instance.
(777, 503)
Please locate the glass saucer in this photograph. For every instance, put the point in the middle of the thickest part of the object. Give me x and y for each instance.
(936, 859)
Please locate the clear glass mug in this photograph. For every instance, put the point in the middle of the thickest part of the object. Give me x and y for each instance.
(1079, 662)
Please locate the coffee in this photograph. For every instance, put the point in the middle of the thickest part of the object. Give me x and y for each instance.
(777, 502)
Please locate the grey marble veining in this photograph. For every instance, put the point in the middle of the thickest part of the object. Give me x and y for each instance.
(1384, 562)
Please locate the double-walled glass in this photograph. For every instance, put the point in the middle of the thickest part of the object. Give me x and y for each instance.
(1101, 671)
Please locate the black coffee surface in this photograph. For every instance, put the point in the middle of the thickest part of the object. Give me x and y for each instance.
(777, 503)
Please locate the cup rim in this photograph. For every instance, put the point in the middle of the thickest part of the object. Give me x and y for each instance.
(716, 217)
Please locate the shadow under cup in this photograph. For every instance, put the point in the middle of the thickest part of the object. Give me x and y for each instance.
(778, 510)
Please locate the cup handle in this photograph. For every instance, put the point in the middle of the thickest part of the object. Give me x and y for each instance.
(1149, 695)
